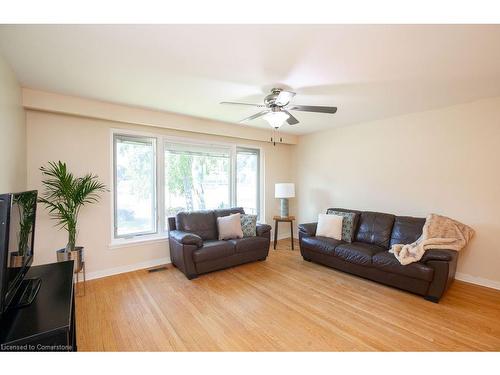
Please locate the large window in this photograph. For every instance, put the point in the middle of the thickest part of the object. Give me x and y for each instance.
(155, 177)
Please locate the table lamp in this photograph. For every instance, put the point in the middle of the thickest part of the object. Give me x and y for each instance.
(284, 191)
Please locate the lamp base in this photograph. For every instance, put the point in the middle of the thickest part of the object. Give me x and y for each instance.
(284, 207)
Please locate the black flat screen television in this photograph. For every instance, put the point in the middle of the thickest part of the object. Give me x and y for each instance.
(17, 238)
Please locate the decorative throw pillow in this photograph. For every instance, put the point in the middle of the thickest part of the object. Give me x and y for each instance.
(249, 225)
(229, 227)
(330, 226)
(347, 224)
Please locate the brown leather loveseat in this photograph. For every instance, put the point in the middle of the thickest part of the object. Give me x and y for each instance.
(195, 248)
(368, 256)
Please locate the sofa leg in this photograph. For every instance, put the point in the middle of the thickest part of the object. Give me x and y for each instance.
(432, 299)
(191, 277)
(308, 260)
(262, 259)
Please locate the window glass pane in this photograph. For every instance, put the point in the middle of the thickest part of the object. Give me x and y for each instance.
(197, 177)
(135, 192)
(247, 180)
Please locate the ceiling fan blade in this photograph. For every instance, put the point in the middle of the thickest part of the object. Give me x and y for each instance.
(249, 104)
(291, 119)
(257, 115)
(284, 97)
(313, 108)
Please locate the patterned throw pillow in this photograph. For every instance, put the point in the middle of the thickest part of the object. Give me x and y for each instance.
(347, 224)
(249, 225)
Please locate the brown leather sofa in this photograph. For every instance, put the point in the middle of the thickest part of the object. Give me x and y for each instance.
(195, 248)
(368, 256)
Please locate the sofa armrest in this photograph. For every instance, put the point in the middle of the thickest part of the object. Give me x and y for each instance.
(444, 264)
(186, 238)
(262, 229)
(438, 254)
(308, 229)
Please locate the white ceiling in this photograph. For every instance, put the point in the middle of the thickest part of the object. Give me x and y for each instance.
(368, 72)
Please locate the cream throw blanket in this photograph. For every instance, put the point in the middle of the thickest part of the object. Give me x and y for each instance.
(439, 232)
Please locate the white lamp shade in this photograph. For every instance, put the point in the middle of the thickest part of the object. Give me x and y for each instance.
(284, 190)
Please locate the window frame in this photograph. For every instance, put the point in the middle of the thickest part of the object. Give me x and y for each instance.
(161, 232)
(259, 177)
(154, 203)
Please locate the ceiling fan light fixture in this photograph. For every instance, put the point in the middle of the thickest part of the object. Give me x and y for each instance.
(276, 119)
(276, 108)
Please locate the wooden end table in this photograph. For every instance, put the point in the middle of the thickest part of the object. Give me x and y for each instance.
(286, 219)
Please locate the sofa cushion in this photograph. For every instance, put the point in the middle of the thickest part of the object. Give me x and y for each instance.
(357, 215)
(249, 225)
(375, 228)
(242, 245)
(319, 244)
(201, 223)
(229, 227)
(406, 230)
(213, 250)
(386, 261)
(330, 226)
(358, 252)
(221, 212)
(347, 224)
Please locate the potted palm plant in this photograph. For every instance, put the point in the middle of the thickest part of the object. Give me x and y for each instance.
(64, 196)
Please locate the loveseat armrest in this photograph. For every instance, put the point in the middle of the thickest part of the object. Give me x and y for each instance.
(263, 229)
(309, 229)
(438, 254)
(186, 238)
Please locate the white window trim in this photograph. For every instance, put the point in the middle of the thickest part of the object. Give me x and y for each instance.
(261, 193)
(155, 185)
(162, 233)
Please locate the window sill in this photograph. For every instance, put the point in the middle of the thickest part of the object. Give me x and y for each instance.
(139, 240)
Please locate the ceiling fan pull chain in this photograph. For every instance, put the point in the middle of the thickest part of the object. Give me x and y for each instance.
(279, 135)
(275, 136)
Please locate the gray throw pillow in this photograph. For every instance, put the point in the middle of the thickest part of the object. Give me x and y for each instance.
(249, 225)
(347, 224)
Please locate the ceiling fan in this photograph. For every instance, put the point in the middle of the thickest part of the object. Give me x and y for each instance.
(277, 106)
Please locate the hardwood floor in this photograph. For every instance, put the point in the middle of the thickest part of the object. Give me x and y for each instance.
(282, 304)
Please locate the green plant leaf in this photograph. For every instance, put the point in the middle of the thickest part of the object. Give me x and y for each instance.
(65, 195)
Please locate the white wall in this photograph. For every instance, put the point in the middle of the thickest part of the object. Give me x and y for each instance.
(84, 144)
(445, 161)
(12, 132)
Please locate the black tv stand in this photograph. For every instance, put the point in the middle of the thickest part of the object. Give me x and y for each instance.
(26, 293)
(48, 323)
